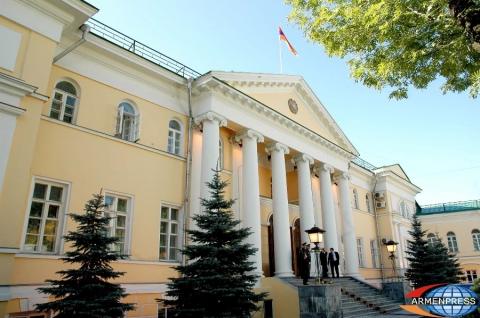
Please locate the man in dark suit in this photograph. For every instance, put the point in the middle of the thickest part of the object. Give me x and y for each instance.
(334, 260)
(323, 262)
(305, 260)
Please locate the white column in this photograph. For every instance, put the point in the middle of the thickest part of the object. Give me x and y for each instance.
(195, 177)
(307, 219)
(251, 194)
(211, 123)
(328, 208)
(281, 220)
(349, 238)
(8, 121)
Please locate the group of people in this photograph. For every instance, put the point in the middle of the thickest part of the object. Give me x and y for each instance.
(327, 259)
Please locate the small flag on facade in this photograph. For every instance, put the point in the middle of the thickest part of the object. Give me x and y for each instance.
(284, 39)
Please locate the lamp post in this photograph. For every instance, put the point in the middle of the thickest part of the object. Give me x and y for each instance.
(391, 248)
(315, 235)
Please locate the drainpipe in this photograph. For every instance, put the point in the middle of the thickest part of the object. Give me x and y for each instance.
(186, 212)
(382, 272)
(85, 29)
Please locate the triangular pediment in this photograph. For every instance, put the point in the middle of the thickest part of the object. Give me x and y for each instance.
(397, 169)
(291, 96)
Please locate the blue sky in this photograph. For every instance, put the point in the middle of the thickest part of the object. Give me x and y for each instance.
(434, 137)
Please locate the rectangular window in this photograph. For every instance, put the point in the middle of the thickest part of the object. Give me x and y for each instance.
(268, 308)
(118, 208)
(361, 261)
(45, 214)
(168, 248)
(471, 276)
(375, 255)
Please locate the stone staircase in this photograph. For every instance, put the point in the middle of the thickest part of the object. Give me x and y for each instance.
(358, 298)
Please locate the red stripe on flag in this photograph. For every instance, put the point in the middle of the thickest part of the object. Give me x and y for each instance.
(283, 37)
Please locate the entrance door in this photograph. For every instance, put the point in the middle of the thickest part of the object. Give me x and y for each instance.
(296, 240)
(271, 249)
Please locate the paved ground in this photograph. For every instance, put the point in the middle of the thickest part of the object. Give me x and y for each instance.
(394, 314)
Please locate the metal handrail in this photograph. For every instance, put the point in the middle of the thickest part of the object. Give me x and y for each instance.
(450, 207)
(364, 164)
(138, 48)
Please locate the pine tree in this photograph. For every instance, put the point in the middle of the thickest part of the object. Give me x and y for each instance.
(86, 290)
(445, 266)
(418, 255)
(429, 263)
(218, 280)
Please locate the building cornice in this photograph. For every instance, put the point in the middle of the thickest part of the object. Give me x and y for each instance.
(210, 83)
(391, 176)
(296, 82)
(125, 55)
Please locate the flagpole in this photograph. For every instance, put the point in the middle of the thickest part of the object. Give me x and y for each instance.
(280, 54)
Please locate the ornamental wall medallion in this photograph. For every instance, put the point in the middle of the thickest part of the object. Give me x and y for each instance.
(292, 104)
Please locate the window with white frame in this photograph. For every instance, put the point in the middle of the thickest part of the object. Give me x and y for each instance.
(452, 242)
(65, 98)
(369, 203)
(355, 198)
(220, 155)
(375, 253)
(128, 121)
(471, 275)
(44, 217)
(119, 210)
(431, 239)
(174, 137)
(476, 239)
(361, 260)
(169, 233)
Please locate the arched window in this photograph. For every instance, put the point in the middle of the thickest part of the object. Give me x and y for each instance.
(369, 205)
(174, 137)
(431, 239)
(355, 199)
(220, 155)
(65, 98)
(476, 239)
(127, 122)
(452, 242)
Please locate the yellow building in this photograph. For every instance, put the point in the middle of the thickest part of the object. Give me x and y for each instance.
(457, 224)
(84, 108)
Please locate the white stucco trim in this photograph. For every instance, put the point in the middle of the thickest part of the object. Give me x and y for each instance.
(241, 109)
(239, 79)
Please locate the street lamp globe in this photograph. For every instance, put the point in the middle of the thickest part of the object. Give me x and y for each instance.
(315, 235)
(391, 246)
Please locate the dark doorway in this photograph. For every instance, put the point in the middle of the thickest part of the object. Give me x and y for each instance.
(271, 248)
(296, 240)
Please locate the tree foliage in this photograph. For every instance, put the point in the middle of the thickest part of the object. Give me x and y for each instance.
(218, 280)
(399, 43)
(86, 290)
(429, 263)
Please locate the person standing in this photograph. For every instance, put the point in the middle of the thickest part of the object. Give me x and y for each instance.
(305, 260)
(323, 262)
(334, 261)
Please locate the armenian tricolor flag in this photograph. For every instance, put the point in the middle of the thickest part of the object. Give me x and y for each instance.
(283, 38)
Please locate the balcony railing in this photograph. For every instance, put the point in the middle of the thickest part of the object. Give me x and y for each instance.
(124, 41)
(364, 164)
(449, 207)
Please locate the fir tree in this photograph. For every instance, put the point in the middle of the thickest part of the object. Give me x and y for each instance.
(418, 255)
(445, 266)
(86, 290)
(218, 280)
(429, 263)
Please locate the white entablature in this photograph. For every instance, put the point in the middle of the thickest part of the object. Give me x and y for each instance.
(241, 110)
